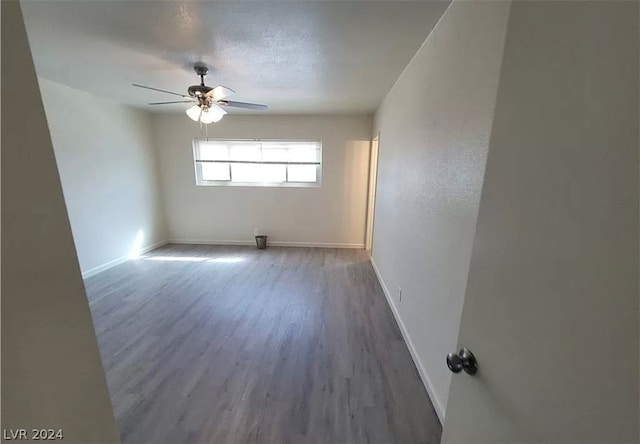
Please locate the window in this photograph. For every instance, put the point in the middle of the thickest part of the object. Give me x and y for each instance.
(278, 163)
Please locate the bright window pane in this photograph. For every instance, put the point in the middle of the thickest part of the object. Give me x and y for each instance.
(209, 151)
(303, 145)
(245, 172)
(245, 152)
(302, 173)
(297, 154)
(256, 173)
(274, 173)
(275, 155)
(215, 171)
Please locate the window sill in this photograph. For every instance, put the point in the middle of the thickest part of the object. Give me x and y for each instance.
(260, 184)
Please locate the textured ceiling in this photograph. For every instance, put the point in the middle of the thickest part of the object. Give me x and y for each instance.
(295, 56)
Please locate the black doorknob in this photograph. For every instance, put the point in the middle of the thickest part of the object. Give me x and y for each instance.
(463, 360)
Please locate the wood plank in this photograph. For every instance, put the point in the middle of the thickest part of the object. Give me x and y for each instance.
(231, 344)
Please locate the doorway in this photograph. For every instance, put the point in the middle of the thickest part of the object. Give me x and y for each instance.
(371, 199)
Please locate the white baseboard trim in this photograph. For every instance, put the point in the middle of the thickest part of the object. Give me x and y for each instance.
(405, 334)
(118, 261)
(271, 243)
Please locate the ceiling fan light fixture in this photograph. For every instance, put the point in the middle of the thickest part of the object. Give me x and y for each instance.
(212, 114)
(194, 112)
(207, 117)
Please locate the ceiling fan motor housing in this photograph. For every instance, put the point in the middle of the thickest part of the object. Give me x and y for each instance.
(199, 90)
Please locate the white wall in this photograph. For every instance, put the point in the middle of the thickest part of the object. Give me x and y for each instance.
(332, 215)
(108, 169)
(434, 132)
(52, 376)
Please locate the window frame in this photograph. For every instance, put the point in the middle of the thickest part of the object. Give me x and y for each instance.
(230, 183)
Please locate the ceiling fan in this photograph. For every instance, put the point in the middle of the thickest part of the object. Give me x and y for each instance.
(207, 100)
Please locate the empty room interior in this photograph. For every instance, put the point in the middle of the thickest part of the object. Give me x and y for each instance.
(320, 221)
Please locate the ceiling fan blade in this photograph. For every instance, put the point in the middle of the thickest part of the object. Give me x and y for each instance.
(219, 92)
(243, 105)
(177, 101)
(160, 90)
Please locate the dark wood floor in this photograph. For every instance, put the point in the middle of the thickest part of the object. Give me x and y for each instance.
(238, 345)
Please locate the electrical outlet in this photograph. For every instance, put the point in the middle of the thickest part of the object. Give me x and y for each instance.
(399, 294)
(256, 232)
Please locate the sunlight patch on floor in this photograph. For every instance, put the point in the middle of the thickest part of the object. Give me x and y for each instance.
(225, 260)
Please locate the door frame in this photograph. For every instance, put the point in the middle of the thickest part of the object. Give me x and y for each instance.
(371, 197)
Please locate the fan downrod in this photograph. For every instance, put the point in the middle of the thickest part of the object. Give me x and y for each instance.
(198, 91)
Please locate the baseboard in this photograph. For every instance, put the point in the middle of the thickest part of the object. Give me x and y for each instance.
(405, 334)
(118, 261)
(272, 243)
